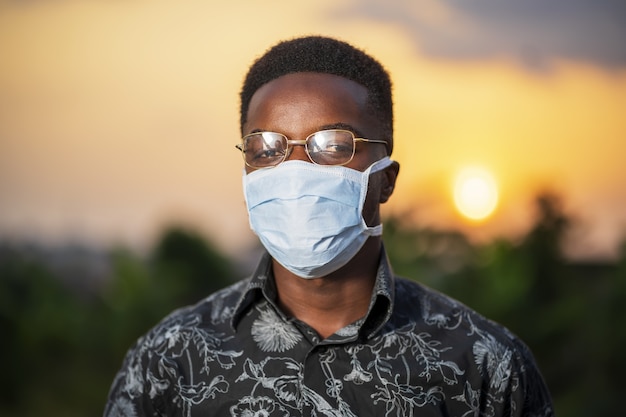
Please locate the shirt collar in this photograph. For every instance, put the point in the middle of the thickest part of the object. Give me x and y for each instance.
(255, 288)
(261, 285)
(381, 304)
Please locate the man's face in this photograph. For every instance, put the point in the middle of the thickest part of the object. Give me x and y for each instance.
(300, 104)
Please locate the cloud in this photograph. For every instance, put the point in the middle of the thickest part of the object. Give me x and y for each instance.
(534, 32)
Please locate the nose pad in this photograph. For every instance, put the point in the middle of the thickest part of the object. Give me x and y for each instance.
(297, 153)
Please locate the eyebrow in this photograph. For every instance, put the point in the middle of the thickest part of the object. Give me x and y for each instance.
(342, 126)
(338, 125)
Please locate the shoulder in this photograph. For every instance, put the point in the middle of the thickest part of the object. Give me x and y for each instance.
(484, 351)
(209, 318)
(432, 311)
(201, 332)
(214, 311)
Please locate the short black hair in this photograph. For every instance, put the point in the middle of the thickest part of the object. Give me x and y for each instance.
(323, 55)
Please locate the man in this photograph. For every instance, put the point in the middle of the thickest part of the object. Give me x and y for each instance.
(323, 328)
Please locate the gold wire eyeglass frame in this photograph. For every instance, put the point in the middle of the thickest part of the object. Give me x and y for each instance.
(304, 142)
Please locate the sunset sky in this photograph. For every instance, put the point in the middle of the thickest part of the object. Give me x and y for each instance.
(120, 117)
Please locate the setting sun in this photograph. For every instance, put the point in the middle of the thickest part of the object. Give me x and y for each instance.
(475, 193)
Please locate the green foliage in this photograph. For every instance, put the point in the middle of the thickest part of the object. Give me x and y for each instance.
(570, 314)
(184, 260)
(62, 347)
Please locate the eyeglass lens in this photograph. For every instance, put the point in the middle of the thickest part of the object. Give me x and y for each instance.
(327, 147)
(264, 149)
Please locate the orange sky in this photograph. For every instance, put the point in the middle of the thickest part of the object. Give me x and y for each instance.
(119, 117)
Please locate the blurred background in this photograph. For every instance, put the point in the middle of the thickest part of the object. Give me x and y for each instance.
(120, 187)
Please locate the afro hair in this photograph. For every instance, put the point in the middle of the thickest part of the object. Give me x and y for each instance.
(323, 55)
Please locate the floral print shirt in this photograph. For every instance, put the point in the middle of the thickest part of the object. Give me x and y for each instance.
(416, 353)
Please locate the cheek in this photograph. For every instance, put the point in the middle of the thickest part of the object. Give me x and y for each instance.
(372, 201)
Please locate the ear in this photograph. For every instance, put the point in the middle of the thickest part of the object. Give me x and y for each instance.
(390, 175)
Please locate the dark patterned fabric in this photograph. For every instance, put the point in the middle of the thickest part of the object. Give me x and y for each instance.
(416, 353)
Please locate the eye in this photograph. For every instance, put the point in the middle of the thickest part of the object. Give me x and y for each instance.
(337, 147)
(264, 154)
(264, 149)
(335, 142)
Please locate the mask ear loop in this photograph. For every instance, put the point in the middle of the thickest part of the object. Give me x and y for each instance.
(380, 164)
(372, 169)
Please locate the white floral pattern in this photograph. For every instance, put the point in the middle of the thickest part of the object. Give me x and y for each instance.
(122, 407)
(273, 334)
(494, 362)
(235, 354)
(256, 407)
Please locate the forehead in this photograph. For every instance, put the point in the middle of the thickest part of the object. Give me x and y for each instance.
(308, 101)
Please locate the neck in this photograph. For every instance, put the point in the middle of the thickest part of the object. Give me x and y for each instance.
(330, 303)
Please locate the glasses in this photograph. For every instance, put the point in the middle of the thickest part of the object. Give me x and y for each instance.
(326, 147)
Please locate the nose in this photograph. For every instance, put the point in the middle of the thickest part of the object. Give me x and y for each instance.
(297, 152)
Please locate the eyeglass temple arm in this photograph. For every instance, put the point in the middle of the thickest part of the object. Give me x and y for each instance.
(384, 142)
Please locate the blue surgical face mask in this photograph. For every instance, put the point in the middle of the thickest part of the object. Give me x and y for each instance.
(310, 217)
